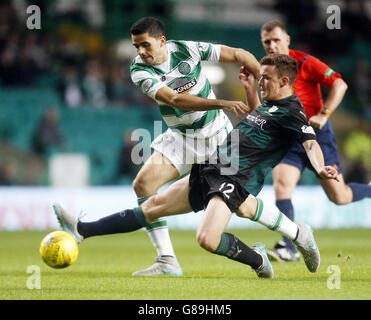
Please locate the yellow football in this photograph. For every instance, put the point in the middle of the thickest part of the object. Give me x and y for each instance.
(59, 249)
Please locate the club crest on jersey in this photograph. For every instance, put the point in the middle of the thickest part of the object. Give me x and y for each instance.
(307, 129)
(184, 68)
(273, 109)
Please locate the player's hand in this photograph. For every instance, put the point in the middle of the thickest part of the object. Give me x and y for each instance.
(329, 172)
(246, 78)
(238, 108)
(318, 121)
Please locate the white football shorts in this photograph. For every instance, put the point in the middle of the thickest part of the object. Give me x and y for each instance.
(183, 151)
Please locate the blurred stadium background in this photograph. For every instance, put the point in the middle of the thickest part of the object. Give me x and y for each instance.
(67, 104)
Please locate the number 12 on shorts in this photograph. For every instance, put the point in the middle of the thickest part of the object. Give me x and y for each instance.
(226, 188)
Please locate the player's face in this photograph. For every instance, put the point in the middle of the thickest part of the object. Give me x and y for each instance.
(275, 41)
(269, 82)
(150, 49)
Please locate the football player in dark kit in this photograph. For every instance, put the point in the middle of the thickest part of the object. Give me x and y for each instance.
(312, 75)
(230, 181)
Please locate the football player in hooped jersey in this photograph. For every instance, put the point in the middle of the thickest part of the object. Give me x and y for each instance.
(263, 137)
(170, 72)
(312, 74)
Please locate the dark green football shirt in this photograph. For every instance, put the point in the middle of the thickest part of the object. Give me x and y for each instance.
(261, 140)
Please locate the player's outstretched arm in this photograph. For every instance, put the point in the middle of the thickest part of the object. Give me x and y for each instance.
(248, 82)
(194, 103)
(315, 156)
(241, 56)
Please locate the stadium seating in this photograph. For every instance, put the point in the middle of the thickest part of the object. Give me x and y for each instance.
(96, 132)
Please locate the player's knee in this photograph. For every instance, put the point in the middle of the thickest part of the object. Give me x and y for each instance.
(141, 186)
(137, 185)
(206, 241)
(282, 187)
(338, 198)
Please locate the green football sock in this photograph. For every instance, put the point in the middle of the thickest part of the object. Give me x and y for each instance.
(270, 216)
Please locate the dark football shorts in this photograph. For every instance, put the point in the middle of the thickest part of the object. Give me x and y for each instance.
(206, 181)
(297, 156)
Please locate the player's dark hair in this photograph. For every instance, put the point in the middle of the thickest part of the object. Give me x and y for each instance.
(270, 25)
(285, 65)
(149, 25)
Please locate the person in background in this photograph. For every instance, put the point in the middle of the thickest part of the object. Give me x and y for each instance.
(47, 136)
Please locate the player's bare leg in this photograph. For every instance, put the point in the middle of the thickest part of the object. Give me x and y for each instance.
(173, 201)
(285, 179)
(213, 223)
(156, 172)
(211, 236)
(337, 191)
(341, 193)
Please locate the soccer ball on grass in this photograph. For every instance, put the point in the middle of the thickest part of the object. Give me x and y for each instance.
(59, 249)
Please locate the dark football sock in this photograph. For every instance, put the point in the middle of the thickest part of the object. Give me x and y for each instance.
(286, 207)
(233, 248)
(360, 191)
(121, 222)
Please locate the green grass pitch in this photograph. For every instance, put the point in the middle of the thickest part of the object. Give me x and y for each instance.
(104, 266)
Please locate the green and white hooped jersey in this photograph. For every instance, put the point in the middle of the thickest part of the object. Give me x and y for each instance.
(183, 73)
